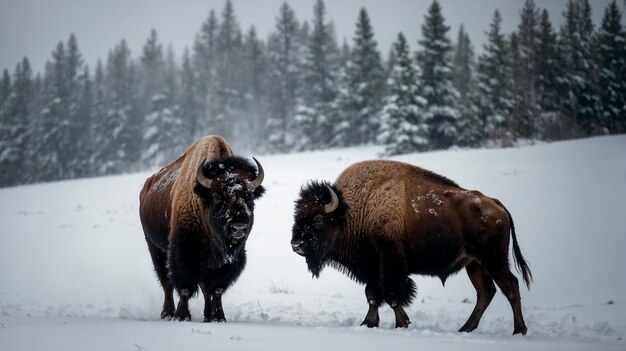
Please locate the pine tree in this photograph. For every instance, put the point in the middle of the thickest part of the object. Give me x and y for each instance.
(517, 86)
(361, 100)
(612, 70)
(469, 126)
(101, 137)
(576, 38)
(254, 114)
(227, 97)
(550, 85)
(14, 127)
(190, 103)
(284, 60)
(155, 105)
(315, 115)
(78, 112)
(5, 87)
(204, 66)
(122, 123)
(55, 123)
(404, 120)
(435, 63)
(493, 78)
(83, 132)
(528, 33)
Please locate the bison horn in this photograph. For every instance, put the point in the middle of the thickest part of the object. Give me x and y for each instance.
(259, 178)
(334, 201)
(204, 181)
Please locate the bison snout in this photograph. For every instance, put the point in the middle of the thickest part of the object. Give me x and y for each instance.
(239, 230)
(297, 245)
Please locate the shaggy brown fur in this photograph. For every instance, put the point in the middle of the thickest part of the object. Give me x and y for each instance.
(196, 235)
(398, 220)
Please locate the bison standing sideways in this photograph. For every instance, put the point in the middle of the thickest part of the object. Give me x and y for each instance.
(196, 215)
(384, 220)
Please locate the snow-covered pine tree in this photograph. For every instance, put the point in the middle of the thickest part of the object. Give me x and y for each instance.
(5, 87)
(314, 116)
(284, 61)
(161, 128)
(98, 129)
(122, 123)
(404, 121)
(227, 88)
(469, 125)
(82, 131)
(550, 86)
(174, 141)
(493, 78)
(612, 70)
(204, 67)
(14, 127)
(363, 88)
(191, 106)
(345, 53)
(254, 110)
(517, 84)
(435, 61)
(5, 92)
(527, 101)
(55, 125)
(576, 39)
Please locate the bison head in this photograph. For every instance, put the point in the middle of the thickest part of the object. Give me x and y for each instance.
(319, 210)
(228, 187)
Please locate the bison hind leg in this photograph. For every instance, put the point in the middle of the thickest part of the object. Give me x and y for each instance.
(485, 290)
(508, 284)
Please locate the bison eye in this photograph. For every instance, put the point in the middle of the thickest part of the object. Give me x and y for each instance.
(318, 222)
(217, 198)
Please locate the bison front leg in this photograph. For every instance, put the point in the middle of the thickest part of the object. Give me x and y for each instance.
(397, 288)
(217, 312)
(213, 311)
(183, 264)
(374, 299)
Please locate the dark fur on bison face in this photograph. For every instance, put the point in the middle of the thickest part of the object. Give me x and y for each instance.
(319, 209)
(228, 187)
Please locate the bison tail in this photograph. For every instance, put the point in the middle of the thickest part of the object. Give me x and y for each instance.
(520, 263)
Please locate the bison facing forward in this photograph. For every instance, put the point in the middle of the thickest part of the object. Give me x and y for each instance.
(384, 220)
(196, 215)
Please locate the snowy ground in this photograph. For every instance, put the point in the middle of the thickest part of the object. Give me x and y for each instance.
(75, 272)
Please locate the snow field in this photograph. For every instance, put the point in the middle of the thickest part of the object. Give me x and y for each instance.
(75, 268)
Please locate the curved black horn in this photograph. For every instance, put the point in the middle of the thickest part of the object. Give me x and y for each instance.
(334, 201)
(204, 181)
(259, 178)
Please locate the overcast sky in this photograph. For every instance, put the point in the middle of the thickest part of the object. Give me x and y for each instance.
(33, 27)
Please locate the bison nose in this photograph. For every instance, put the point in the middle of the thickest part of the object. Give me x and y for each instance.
(239, 230)
(297, 245)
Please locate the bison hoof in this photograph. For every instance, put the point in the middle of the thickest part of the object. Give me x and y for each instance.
(467, 328)
(182, 316)
(403, 323)
(370, 323)
(218, 320)
(520, 330)
(167, 315)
